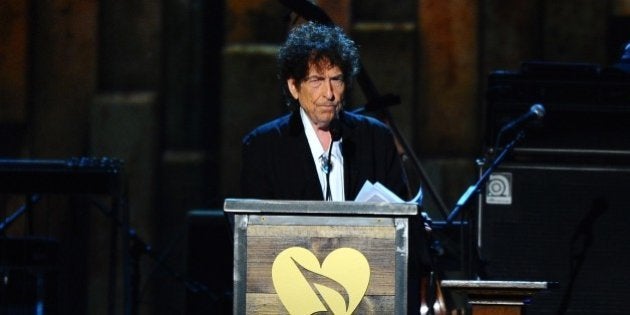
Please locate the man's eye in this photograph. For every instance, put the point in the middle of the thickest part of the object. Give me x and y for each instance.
(315, 82)
(337, 81)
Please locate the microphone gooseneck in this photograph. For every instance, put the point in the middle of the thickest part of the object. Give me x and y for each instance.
(335, 134)
(335, 129)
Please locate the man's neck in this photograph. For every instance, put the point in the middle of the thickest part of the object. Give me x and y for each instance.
(324, 137)
(323, 134)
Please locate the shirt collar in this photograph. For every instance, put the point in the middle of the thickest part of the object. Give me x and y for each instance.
(313, 142)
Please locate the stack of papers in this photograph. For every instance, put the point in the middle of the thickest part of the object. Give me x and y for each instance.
(377, 192)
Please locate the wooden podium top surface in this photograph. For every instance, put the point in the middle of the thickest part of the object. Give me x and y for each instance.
(319, 207)
(482, 284)
(497, 288)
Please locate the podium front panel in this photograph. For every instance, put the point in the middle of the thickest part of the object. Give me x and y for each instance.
(311, 261)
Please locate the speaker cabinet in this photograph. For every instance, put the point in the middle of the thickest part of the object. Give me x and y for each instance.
(586, 108)
(209, 263)
(564, 223)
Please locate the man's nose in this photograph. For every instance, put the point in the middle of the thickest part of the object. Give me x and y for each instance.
(328, 85)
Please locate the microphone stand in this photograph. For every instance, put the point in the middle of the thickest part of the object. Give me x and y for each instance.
(33, 199)
(476, 188)
(139, 247)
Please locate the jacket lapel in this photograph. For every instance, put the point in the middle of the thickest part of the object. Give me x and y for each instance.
(307, 172)
(349, 150)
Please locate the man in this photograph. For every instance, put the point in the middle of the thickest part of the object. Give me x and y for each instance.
(298, 156)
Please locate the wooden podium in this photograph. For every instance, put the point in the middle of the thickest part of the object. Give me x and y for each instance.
(302, 257)
(496, 297)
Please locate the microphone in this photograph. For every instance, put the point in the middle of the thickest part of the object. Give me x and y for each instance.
(335, 129)
(308, 10)
(536, 112)
(335, 133)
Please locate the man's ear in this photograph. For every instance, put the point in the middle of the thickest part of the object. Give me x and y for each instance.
(293, 88)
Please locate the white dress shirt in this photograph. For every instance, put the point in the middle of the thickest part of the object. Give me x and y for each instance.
(320, 156)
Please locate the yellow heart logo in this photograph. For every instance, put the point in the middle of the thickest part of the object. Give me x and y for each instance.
(306, 287)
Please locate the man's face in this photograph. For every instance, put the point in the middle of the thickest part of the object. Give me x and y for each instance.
(320, 94)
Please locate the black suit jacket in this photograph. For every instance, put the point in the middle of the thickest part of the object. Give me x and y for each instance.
(278, 164)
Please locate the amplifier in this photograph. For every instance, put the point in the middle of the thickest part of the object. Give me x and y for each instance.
(587, 109)
(565, 223)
